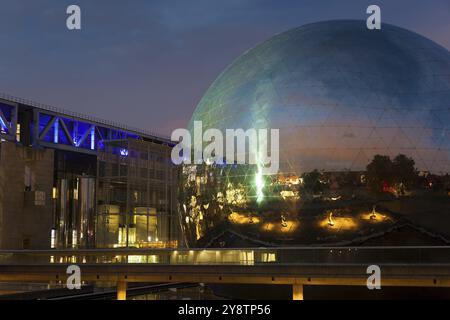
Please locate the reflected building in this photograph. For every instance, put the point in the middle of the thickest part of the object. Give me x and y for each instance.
(353, 106)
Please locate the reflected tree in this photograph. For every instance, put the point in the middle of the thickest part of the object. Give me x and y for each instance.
(379, 172)
(399, 173)
(404, 171)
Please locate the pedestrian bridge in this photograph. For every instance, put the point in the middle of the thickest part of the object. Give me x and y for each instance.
(296, 266)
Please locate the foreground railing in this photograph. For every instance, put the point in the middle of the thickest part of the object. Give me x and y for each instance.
(82, 116)
(235, 256)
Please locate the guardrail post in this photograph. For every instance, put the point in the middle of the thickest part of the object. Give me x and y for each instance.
(297, 292)
(121, 290)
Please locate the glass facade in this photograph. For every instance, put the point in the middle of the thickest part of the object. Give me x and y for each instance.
(136, 196)
(364, 123)
(74, 200)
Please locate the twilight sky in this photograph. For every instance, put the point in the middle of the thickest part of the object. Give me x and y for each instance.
(147, 63)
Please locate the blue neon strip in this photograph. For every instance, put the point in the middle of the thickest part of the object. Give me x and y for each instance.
(4, 126)
(56, 131)
(93, 138)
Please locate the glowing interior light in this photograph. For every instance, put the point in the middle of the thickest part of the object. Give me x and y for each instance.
(132, 234)
(18, 132)
(74, 238)
(55, 133)
(53, 238)
(124, 152)
(93, 138)
(121, 236)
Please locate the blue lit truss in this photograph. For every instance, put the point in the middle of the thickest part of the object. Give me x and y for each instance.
(66, 132)
(8, 120)
(61, 129)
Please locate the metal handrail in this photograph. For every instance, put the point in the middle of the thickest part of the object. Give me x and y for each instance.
(82, 116)
(289, 255)
(143, 250)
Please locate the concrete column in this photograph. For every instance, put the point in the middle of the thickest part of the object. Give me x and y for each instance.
(297, 292)
(121, 290)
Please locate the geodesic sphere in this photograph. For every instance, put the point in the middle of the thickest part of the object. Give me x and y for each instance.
(340, 94)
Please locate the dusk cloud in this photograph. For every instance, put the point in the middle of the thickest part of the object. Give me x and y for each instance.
(147, 63)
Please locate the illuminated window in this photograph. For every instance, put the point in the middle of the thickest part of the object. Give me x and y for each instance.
(18, 132)
(246, 257)
(137, 259)
(132, 234)
(74, 238)
(268, 257)
(53, 238)
(122, 235)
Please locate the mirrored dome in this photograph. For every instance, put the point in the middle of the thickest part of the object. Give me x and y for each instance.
(364, 123)
(340, 93)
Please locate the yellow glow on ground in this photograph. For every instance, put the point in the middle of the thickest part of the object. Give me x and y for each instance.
(238, 218)
(286, 194)
(340, 224)
(378, 217)
(268, 226)
(288, 227)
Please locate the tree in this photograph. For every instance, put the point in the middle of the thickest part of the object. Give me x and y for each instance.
(380, 171)
(311, 181)
(400, 172)
(404, 171)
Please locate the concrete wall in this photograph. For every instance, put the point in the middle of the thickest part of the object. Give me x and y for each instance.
(24, 222)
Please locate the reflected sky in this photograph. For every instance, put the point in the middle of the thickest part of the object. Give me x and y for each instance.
(340, 94)
(147, 64)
